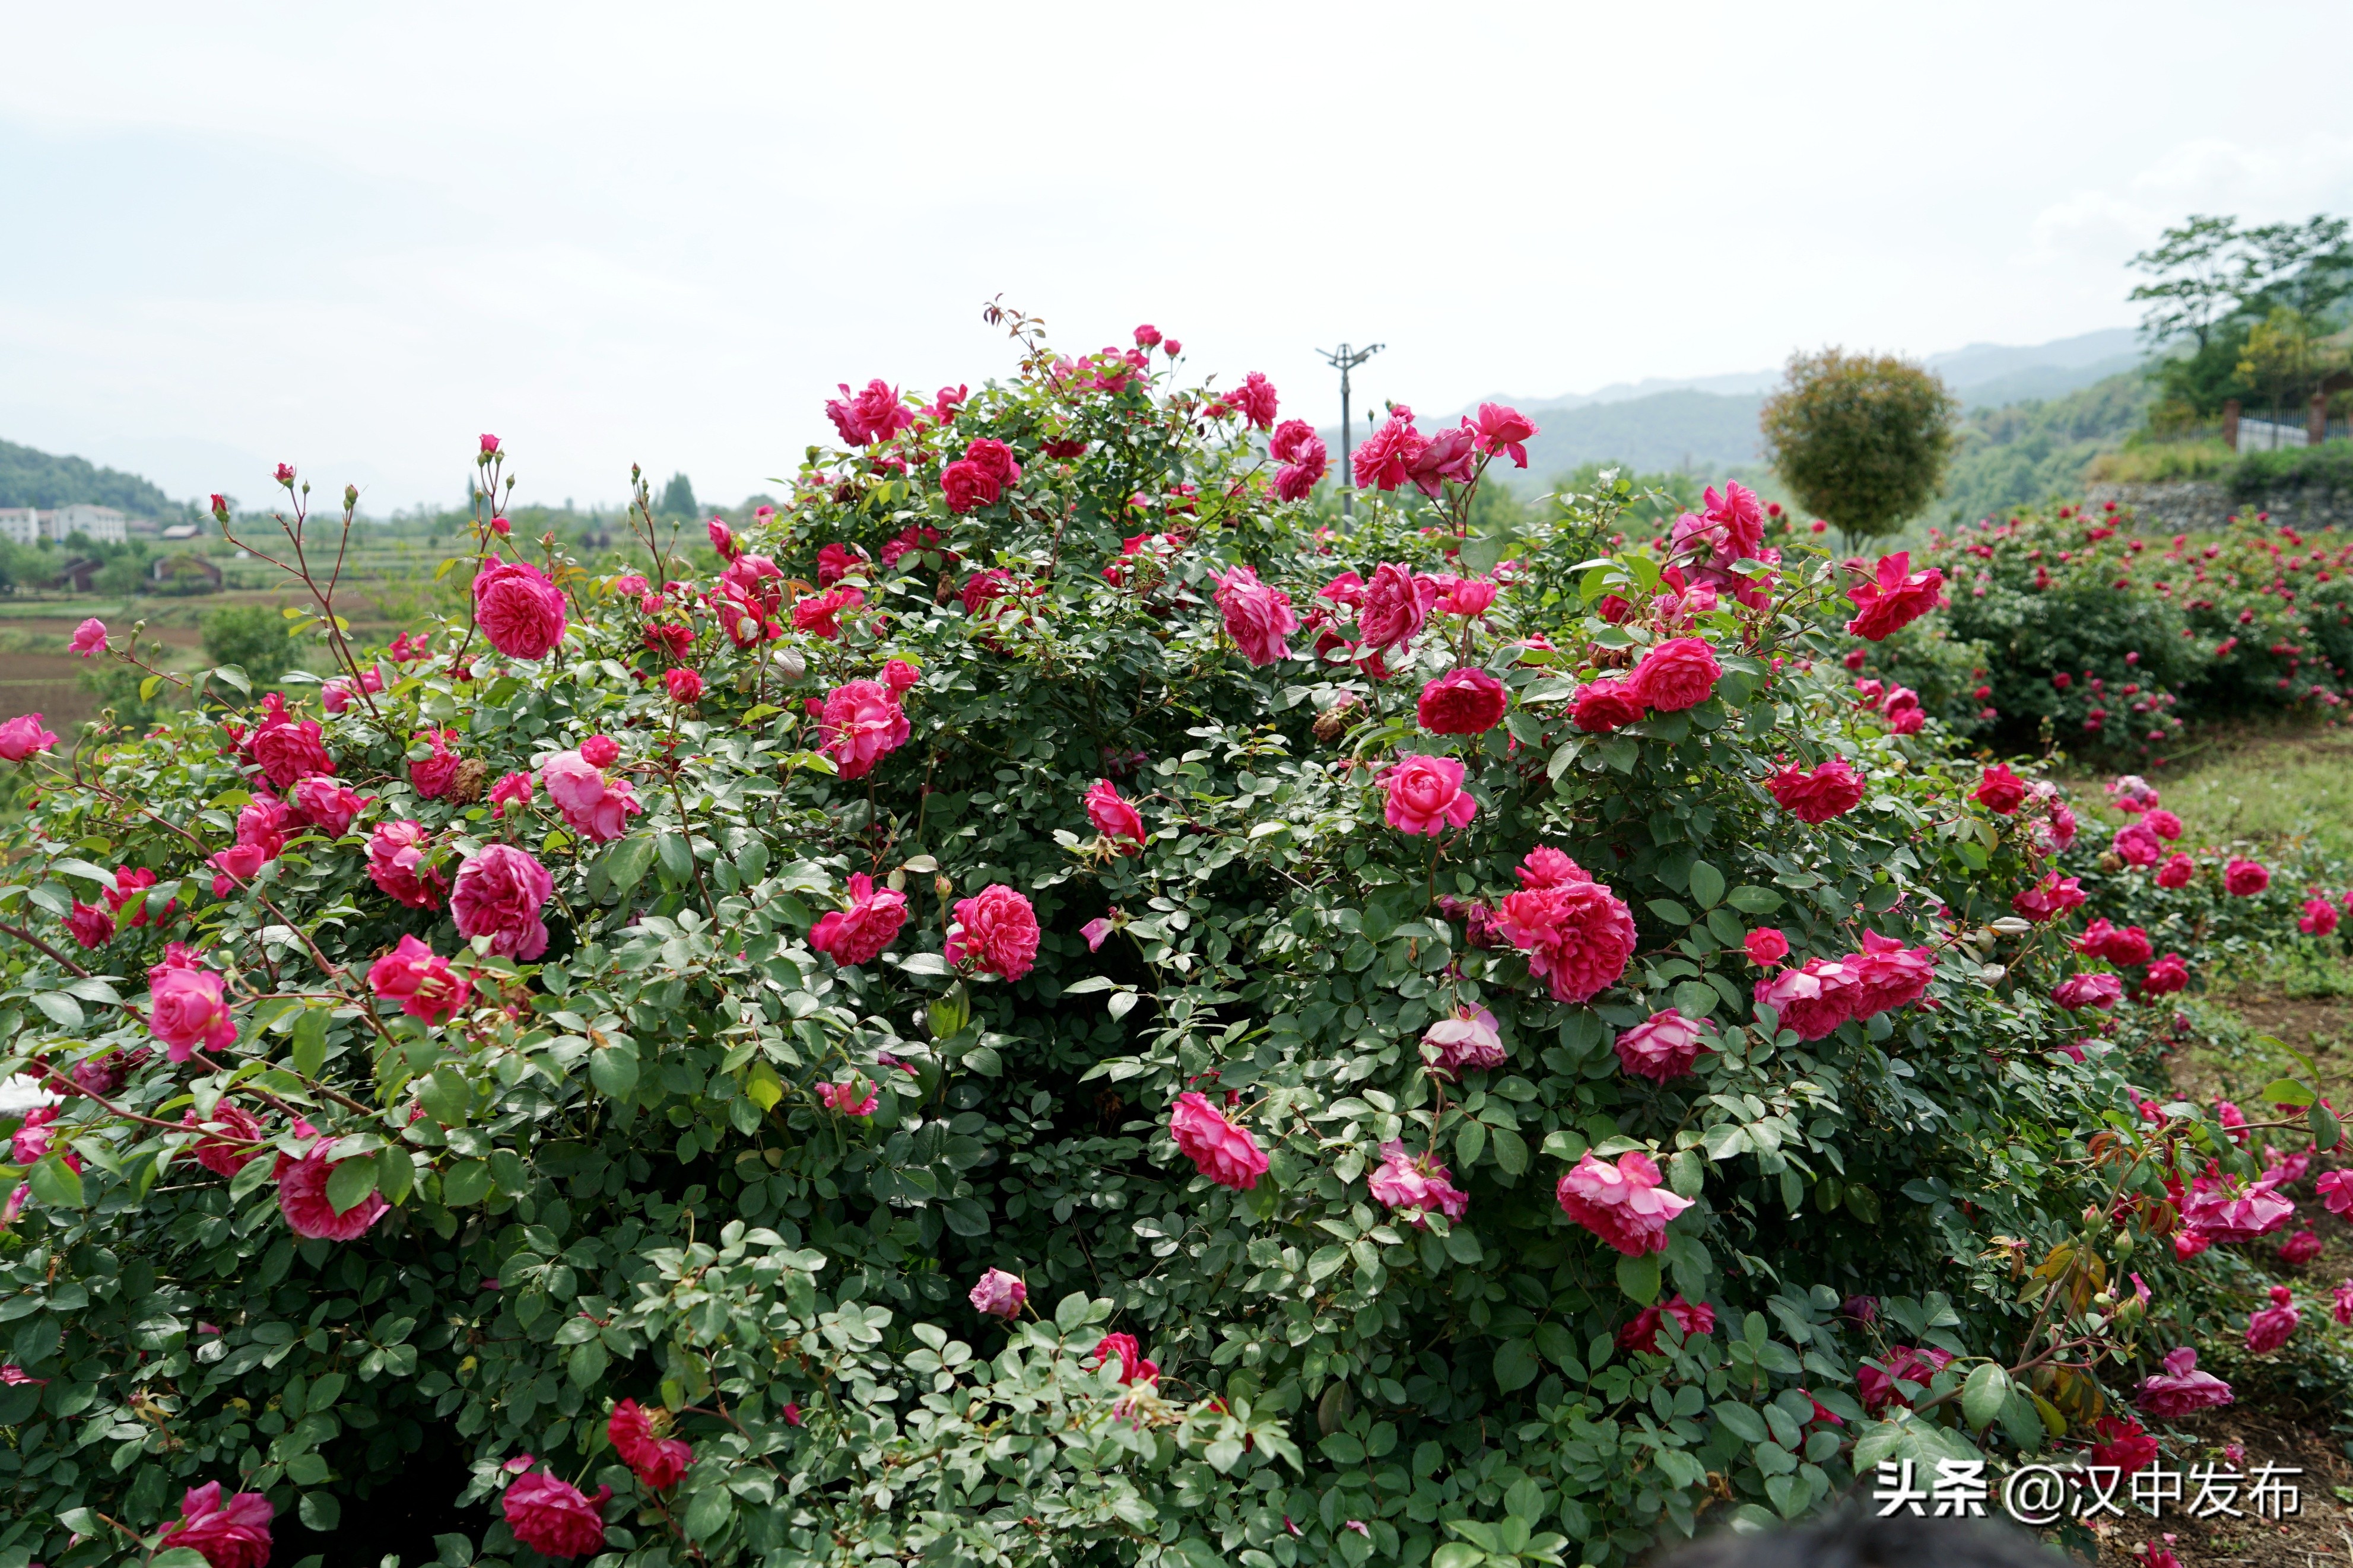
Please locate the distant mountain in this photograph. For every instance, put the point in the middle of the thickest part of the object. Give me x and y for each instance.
(28, 478)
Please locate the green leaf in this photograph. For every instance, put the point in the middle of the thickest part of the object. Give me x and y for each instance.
(1470, 1143)
(625, 864)
(349, 1181)
(2287, 1091)
(57, 1184)
(1706, 884)
(1511, 1150)
(1072, 1311)
(2324, 1131)
(466, 1181)
(1754, 901)
(1742, 1422)
(1671, 911)
(62, 1010)
(396, 1174)
(614, 1070)
(1638, 1277)
(309, 1054)
(676, 858)
(179, 1557)
(1982, 1395)
(446, 1095)
(1620, 752)
(1515, 1365)
(320, 1511)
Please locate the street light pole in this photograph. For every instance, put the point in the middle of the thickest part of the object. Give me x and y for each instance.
(1346, 359)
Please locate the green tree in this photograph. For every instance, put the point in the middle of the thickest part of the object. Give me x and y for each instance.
(677, 498)
(251, 637)
(2194, 281)
(1860, 441)
(2211, 283)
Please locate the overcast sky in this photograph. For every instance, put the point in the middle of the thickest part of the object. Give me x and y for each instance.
(356, 237)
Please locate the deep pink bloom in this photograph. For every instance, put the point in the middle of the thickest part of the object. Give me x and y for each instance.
(657, 1462)
(89, 638)
(722, 539)
(2131, 793)
(1678, 673)
(2134, 845)
(1097, 930)
(996, 930)
(856, 1097)
(1464, 1040)
(2177, 870)
(512, 790)
(1394, 607)
(1545, 866)
(2078, 992)
(90, 926)
(834, 563)
(2300, 1248)
(1663, 1046)
(2052, 897)
(685, 684)
(2244, 878)
(229, 1532)
(1833, 789)
(1383, 460)
(2336, 1190)
(1604, 704)
(1305, 470)
(432, 776)
(551, 1517)
(421, 981)
(966, 485)
(1623, 1204)
(1256, 398)
(1113, 817)
(865, 417)
(899, 676)
(1224, 1152)
(2341, 1309)
(130, 881)
(2230, 1209)
(1578, 936)
(1147, 336)
(1885, 975)
(596, 808)
(1426, 795)
(1257, 615)
(519, 610)
(231, 1138)
(2126, 948)
(310, 1212)
(287, 750)
(2182, 1389)
(1451, 455)
(1904, 1364)
(396, 864)
(499, 894)
(1466, 596)
(1502, 430)
(1416, 1183)
(31, 1140)
(861, 723)
(1462, 702)
(2164, 823)
(999, 1295)
(22, 736)
(189, 1005)
(2124, 1445)
(1692, 1317)
(1767, 947)
(1133, 1366)
(1894, 597)
(859, 933)
(1812, 998)
(327, 804)
(1999, 790)
(819, 614)
(600, 751)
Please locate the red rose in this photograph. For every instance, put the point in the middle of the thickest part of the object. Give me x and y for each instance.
(1462, 702)
(967, 485)
(1678, 673)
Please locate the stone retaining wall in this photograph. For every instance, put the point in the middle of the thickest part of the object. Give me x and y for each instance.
(2201, 506)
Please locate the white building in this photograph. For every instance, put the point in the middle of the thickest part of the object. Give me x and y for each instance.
(20, 524)
(98, 524)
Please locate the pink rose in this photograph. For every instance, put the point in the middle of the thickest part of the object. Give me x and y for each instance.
(90, 926)
(594, 807)
(1147, 336)
(2081, 990)
(1905, 1364)
(1224, 1152)
(2300, 1248)
(684, 686)
(1426, 795)
(1394, 607)
(1255, 398)
(1133, 1366)
(858, 935)
(328, 806)
(2126, 948)
(2134, 845)
(1466, 596)
(1297, 479)
(1451, 455)
(819, 614)
(231, 1532)
(22, 736)
(2053, 896)
(984, 588)
(231, 1140)
(189, 1006)
(966, 485)
(1578, 936)
(2182, 1389)
(856, 1097)
(1810, 999)
(1664, 1046)
(1257, 617)
(551, 1516)
(1622, 1204)
(2336, 1190)
(499, 894)
(421, 981)
(1642, 1332)
(1833, 789)
(519, 610)
(1545, 866)
(601, 751)
(287, 750)
(2244, 879)
(861, 723)
(1383, 460)
(2164, 823)
(657, 1462)
(1462, 702)
(396, 864)
(432, 776)
(899, 676)
(89, 638)
(1767, 947)
(1605, 703)
(996, 930)
(1501, 431)
(1676, 674)
(834, 563)
(1894, 597)
(1416, 1183)
(1466, 1039)
(2231, 1209)
(1113, 817)
(310, 1212)
(1885, 975)
(2125, 1446)
(1999, 790)
(999, 1295)
(2320, 917)
(865, 417)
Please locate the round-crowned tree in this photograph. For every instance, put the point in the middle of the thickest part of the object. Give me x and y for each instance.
(1862, 441)
(1033, 1006)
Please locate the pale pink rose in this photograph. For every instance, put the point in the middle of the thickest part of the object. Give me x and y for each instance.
(1677, 674)
(519, 610)
(996, 930)
(859, 933)
(227, 1531)
(2182, 1389)
(1257, 617)
(1404, 1182)
(1466, 1039)
(1426, 795)
(1578, 936)
(1000, 1294)
(189, 1006)
(1664, 1046)
(1224, 1152)
(499, 894)
(1622, 1204)
(861, 724)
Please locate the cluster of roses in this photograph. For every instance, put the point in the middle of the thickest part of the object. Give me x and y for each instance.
(1397, 453)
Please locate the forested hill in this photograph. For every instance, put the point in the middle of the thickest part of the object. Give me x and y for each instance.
(2028, 452)
(28, 478)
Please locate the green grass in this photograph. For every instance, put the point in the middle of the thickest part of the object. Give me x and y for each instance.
(2162, 461)
(2270, 784)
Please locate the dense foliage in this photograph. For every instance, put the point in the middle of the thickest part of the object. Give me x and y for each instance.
(1049, 1009)
(1862, 440)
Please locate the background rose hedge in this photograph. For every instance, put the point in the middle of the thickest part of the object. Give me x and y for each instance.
(596, 1098)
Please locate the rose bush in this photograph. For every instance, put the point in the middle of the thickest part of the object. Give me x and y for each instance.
(1062, 1062)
